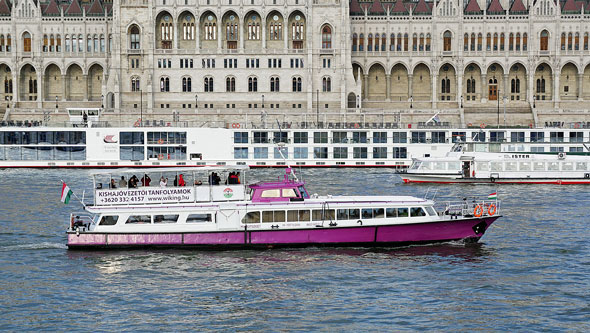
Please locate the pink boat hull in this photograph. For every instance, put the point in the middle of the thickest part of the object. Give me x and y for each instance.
(370, 236)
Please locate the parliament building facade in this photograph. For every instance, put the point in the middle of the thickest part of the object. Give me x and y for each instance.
(232, 57)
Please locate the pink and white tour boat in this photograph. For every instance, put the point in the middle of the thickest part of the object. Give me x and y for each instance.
(215, 209)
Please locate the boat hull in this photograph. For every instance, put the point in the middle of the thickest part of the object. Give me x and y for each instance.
(469, 230)
(454, 180)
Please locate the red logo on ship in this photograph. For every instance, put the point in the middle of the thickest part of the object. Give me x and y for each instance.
(109, 139)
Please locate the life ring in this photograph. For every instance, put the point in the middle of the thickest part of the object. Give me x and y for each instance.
(469, 125)
(482, 125)
(136, 124)
(235, 125)
(478, 211)
(492, 210)
(160, 141)
(577, 125)
(356, 125)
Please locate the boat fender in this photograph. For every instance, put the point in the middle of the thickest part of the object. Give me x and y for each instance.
(492, 179)
(359, 222)
(274, 226)
(478, 211)
(333, 224)
(492, 210)
(78, 231)
(587, 175)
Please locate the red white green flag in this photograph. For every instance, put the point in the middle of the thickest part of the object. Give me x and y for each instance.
(493, 196)
(66, 193)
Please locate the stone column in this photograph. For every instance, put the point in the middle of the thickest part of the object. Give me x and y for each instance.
(388, 89)
(263, 33)
(410, 86)
(40, 88)
(531, 89)
(505, 85)
(366, 85)
(63, 87)
(483, 87)
(433, 96)
(15, 87)
(242, 35)
(219, 35)
(556, 76)
(459, 89)
(198, 35)
(286, 33)
(175, 36)
(85, 79)
(580, 86)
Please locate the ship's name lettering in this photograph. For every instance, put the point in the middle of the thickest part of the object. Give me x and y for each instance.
(521, 156)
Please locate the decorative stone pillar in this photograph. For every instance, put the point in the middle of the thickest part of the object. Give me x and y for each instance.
(219, 35)
(40, 89)
(286, 34)
(580, 86)
(459, 79)
(198, 35)
(263, 33)
(63, 88)
(433, 96)
(85, 79)
(410, 86)
(483, 87)
(388, 87)
(242, 35)
(505, 93)
(531, 89)
(556, 76)
(366, 85)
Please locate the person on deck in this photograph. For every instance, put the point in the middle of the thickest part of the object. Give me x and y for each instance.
(163, 181)
(122, 182)
(181, 181)
(175, 180)
(113, 184)
(145, 180)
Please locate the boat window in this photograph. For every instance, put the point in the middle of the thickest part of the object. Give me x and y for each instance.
(416, 165)
(402, 212)
(342, 214)
(165, 218)
(581, 166)
(323, 215)
(273, 216)
(303, 192)
(431, 211)
(524, 166)
(198, 218)
(417, 211)
(481, 166)
(510, 166)
(367, 213)
(378, 213)
(271, 193)
(108, 220)
(440, 166)
(454, 166)
(289, 193)
(391, 212)
(298, 215)
(553, 166)
(354, 214)
(251, 217)
(139, 219)
(539, 166)
(496, 166)
(567, 166)
(425, 166)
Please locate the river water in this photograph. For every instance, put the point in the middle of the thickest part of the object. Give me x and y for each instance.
(530, 271)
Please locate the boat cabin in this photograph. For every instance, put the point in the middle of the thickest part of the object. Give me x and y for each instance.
(287, 189)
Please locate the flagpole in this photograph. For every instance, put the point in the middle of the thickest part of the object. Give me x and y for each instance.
(82, 202)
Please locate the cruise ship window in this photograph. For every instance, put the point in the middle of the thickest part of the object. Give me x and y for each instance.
(359, 152)
(576, 136)
(260, 152)
(367, 213)
(240, 152)
(438, 137)
(320, 137)
(280, 137)
(320, 152)
(323, 215)
(273, 216)
(458, 137)
(260, 137)
(517, 137)
(300, 137)
(402, 212)
(379, 137)
(400, 137)
(339, 137)
(418, 137)
(240, 137)
(109, 220)
(537, 136)
(556, 136)
(379, 152)
(340, 152)
(271, 194)
(300, 152)
(284, 150)
(400, 152)
(139, 219)
(165, 218)
(359, 137)
(391, 212)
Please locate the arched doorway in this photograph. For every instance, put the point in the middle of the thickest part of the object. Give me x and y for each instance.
(53, 83)
(495, 76)
(28, 83)
(75, 83)
(95, 76)
(377, 83)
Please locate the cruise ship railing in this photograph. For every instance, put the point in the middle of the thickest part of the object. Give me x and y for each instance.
(473, 208)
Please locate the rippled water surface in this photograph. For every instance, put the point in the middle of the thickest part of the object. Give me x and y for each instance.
(531, 270)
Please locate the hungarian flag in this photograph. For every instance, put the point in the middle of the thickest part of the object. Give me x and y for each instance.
(66, 193)
(493, 196)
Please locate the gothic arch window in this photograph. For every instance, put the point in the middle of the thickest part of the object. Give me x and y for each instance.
(377, 38)
(544, 40)
(188, 28)
(405, 42)
(88, 43)
(489, 42)
(326, 37)
(102, 44)
(354, 41)
(296, 84)
(274, 84)
(164, 84)
(511, 42)
(524, 41)
(415, 42)
(428, 42)
(26, 42)
(563, 41)
(210, 29)
(208, 84)
(361, 42)
(230, 84)
(472, 46)
(479, 42)
(570, 41)
(276, 29)
(8, 43)
(469, 86)
(134, 37)
(517, 41)
(1, 43)
(495, 41)
(45, 42)
(186, 84)
(447, 36)
(383, 42)
(399, 42)
(370, 42)
(585, 41)
(502, 39)
(135, 86)
(253, 29)
(466, 42)
(96, 41)
(391, 43)
(326, 84)
(80, 43)
(252, 84)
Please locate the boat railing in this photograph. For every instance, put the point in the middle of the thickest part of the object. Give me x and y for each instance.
(81, 220)
(473, 208)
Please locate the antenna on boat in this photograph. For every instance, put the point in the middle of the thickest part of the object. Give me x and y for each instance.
(280, 146)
